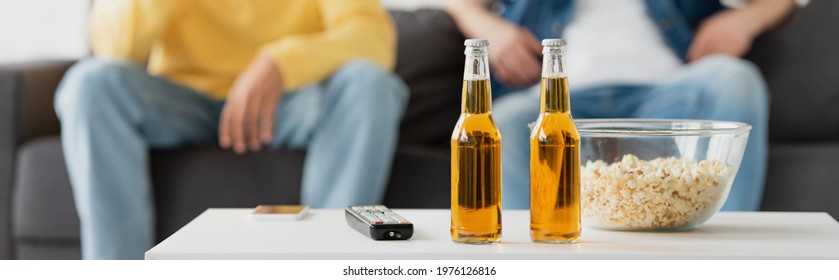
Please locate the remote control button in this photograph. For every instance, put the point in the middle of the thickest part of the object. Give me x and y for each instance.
(377, 215)
(397, 217)
(382, 217)
(370, 217)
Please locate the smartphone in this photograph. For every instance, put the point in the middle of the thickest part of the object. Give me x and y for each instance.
(279, 212)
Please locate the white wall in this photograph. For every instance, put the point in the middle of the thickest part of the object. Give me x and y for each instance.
(56, 29)
(412, 4)
(42, 29)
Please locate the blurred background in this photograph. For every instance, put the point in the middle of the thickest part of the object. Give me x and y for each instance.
(49, 29)
(55, 29)
(42, 29)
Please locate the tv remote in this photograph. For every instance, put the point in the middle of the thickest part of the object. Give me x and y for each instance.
(378, 222)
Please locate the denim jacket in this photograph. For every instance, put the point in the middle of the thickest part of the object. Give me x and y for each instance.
(675, 19)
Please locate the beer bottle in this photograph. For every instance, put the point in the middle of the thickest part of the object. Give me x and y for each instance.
(554, 156)
(476, 156)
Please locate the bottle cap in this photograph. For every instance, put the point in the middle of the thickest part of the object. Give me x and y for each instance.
(553, 42)
(476, 43)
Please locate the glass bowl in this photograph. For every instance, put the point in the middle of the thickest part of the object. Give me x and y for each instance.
(657, 174)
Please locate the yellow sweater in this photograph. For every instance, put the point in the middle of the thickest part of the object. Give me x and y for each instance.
(205, 44)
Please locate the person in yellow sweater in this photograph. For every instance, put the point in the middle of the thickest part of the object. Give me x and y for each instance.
(248, 75)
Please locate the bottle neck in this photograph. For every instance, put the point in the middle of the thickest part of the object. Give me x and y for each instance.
(554, 97)
(477, 96)
(554, 92)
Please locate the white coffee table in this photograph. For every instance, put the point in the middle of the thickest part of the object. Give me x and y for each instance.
(324, 234)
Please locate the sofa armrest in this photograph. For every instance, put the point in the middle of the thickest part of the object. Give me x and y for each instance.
(26, 112)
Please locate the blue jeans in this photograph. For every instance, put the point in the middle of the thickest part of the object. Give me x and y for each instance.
(113, 112)
(715, 88)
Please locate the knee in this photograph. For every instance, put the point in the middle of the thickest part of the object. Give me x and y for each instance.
(89, 85)
(369, 87)
(734, 82)
(731, 71)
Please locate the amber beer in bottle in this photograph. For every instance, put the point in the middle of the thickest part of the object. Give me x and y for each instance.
(554, 156)
(476, 156)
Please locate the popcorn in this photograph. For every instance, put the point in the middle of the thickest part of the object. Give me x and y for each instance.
(658, 194)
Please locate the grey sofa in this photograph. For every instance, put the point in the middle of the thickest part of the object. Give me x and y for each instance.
(38, 218)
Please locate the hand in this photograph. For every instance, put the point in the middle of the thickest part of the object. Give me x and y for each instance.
(728, 32)
(247, 120)
(513, 55)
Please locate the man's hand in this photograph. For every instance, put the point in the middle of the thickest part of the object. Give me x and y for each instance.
(513, 55)
(514, 51)
(732, 31)
(247, 120)
(727, 32)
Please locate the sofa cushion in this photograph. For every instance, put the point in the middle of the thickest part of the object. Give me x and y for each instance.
(46, 249)
(188, 181)
(43, 205)
(802, 177)
(420, 178)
